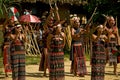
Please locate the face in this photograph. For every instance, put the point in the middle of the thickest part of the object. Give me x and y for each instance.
(100, 29)
(50, 21)
(76, 23)
(18, 29)
(111, 21)
(59, 29)
(71, 21)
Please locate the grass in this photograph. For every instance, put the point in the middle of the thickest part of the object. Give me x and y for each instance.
(32, 60)
(35, 60)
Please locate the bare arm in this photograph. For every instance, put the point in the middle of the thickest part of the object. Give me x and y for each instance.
(48, 19)
(117, 36)
(49, 41)
(64, 38)
(75, 36)
(56, 13)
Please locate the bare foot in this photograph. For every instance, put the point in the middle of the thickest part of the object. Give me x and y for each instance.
(116, 73)
(6, 75)
(45, 75)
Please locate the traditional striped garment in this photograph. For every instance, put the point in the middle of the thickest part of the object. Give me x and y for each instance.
(98, 61)
(78, 58)
(6, 57)
(18, 60)
(112, 45)
(56, 59)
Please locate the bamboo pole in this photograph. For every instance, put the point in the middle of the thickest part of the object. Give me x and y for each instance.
(29, 41)
(87, 27)
(33, 51)
(35, 41)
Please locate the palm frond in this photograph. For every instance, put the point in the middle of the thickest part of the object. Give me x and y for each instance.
(1, 13)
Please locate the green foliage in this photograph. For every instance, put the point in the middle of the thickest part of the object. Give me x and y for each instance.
(32, 60)
(108, 7)
(1, 13)
(4, 4)
(2, 8)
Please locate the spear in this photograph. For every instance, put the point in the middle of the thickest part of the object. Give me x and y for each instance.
(90, 43)
(94, 12)
(50, 4)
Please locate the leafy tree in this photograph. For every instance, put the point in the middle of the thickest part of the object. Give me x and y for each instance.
(108, 7)
(3, 8)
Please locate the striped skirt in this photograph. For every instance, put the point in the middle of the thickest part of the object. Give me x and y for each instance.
(79, 60)
(56, 66)
(18, 63)
(98, 62)
(112, 58)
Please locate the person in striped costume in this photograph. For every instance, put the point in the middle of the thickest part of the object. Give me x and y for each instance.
(113, 35)
(78, 65)
(18, 53)
(98, 58)
(55, 45)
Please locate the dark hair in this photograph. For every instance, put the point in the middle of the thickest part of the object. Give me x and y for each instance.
(109, 17)
(99, 18)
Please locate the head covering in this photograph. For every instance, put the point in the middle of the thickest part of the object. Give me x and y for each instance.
(19, 25)
(16, 22)
(75, 17)
(59, 25)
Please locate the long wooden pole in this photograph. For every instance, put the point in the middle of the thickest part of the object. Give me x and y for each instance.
(90, 19)
(35, 41)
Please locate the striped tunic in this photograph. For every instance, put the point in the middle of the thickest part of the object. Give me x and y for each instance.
(18, 60)
(56, 59)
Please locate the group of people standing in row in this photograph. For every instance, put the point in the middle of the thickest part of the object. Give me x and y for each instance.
(103, 34)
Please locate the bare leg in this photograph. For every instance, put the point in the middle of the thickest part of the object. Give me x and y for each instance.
(72, 64)
(75, 66)
(6, 74)
(115, 69)
(45, 63)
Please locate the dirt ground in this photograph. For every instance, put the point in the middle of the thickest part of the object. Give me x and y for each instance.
(32, 73)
